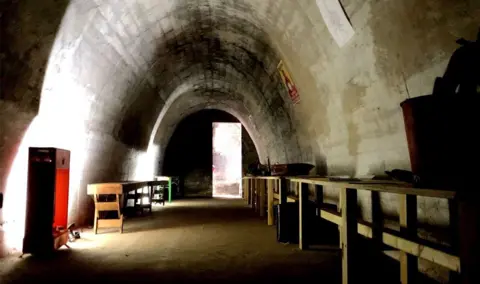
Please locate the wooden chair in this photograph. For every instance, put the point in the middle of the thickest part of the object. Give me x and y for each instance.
(100, 193)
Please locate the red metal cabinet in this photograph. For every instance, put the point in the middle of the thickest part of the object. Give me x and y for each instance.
(47, 200)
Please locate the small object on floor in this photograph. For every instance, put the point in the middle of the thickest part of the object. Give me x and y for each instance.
(72, 236)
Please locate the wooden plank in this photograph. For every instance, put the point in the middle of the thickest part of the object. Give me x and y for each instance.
(387, 186)
(292, 198)
(341, 197)
(270, 185)
(107, 206)
(247, 190)
(95, 220)
(250, 186)
(436, 256)
(408, 227)
(252, 192)
(118, 204)
(349, 236)
(263, 177)
(262, 195)
(114, 187)
(289, 198)
(302, 221)
(243, 188)
(110, 223)
(331, 216)
(439, 257)
(104, 188)
(256, 182)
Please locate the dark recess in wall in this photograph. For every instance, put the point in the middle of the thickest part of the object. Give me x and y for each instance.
(189, 152)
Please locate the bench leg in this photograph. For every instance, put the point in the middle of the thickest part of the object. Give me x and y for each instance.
(121, 226)
(95, 223)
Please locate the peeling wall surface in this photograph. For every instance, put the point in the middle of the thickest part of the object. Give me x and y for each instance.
(111, 79)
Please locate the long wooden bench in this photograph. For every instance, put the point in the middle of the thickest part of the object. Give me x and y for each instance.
(410, 247)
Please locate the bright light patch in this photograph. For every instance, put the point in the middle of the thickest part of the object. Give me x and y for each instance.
(227, 159)
(146, 163)
(60, 124)
(226, 196)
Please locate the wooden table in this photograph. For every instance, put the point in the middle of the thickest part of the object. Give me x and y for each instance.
(169, 180)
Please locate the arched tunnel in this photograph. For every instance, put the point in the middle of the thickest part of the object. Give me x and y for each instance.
(113, 81)
(190, 159)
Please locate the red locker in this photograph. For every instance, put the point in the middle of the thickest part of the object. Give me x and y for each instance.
(47, 200)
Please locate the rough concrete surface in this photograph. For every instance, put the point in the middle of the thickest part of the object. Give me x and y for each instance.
(196, 240)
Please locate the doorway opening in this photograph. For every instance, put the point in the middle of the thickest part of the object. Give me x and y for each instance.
(227, 159)
(188, 154)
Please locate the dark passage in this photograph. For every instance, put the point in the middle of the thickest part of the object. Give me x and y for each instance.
(189, 152)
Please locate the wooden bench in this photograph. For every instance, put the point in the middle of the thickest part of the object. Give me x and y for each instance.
(405, 241)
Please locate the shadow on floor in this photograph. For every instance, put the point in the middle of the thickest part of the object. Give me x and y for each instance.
(79, 268)
(191, 212)
(193, 241)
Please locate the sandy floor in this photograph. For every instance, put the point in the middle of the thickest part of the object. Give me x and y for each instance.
(192, 240)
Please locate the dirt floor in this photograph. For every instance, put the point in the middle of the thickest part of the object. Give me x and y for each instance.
(198, 240)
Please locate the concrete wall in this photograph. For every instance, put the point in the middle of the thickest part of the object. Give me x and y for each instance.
(351, 95)
(121, 74)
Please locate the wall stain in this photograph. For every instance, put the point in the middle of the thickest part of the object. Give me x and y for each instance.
(352, 100)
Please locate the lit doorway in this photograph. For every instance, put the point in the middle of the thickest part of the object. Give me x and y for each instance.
(227, 159)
